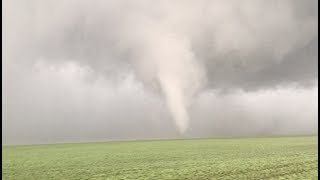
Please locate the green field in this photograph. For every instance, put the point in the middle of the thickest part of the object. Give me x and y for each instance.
(245, 158)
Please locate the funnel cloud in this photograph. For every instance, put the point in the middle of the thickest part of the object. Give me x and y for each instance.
(81, 70)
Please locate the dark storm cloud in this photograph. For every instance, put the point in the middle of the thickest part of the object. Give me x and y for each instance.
(299, 67)
(94, 33)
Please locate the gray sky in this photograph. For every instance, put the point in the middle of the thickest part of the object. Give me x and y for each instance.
(82, 70)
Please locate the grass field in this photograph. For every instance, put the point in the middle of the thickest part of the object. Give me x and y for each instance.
(251, 158)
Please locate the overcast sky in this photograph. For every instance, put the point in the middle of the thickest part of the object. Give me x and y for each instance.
(78, 70)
